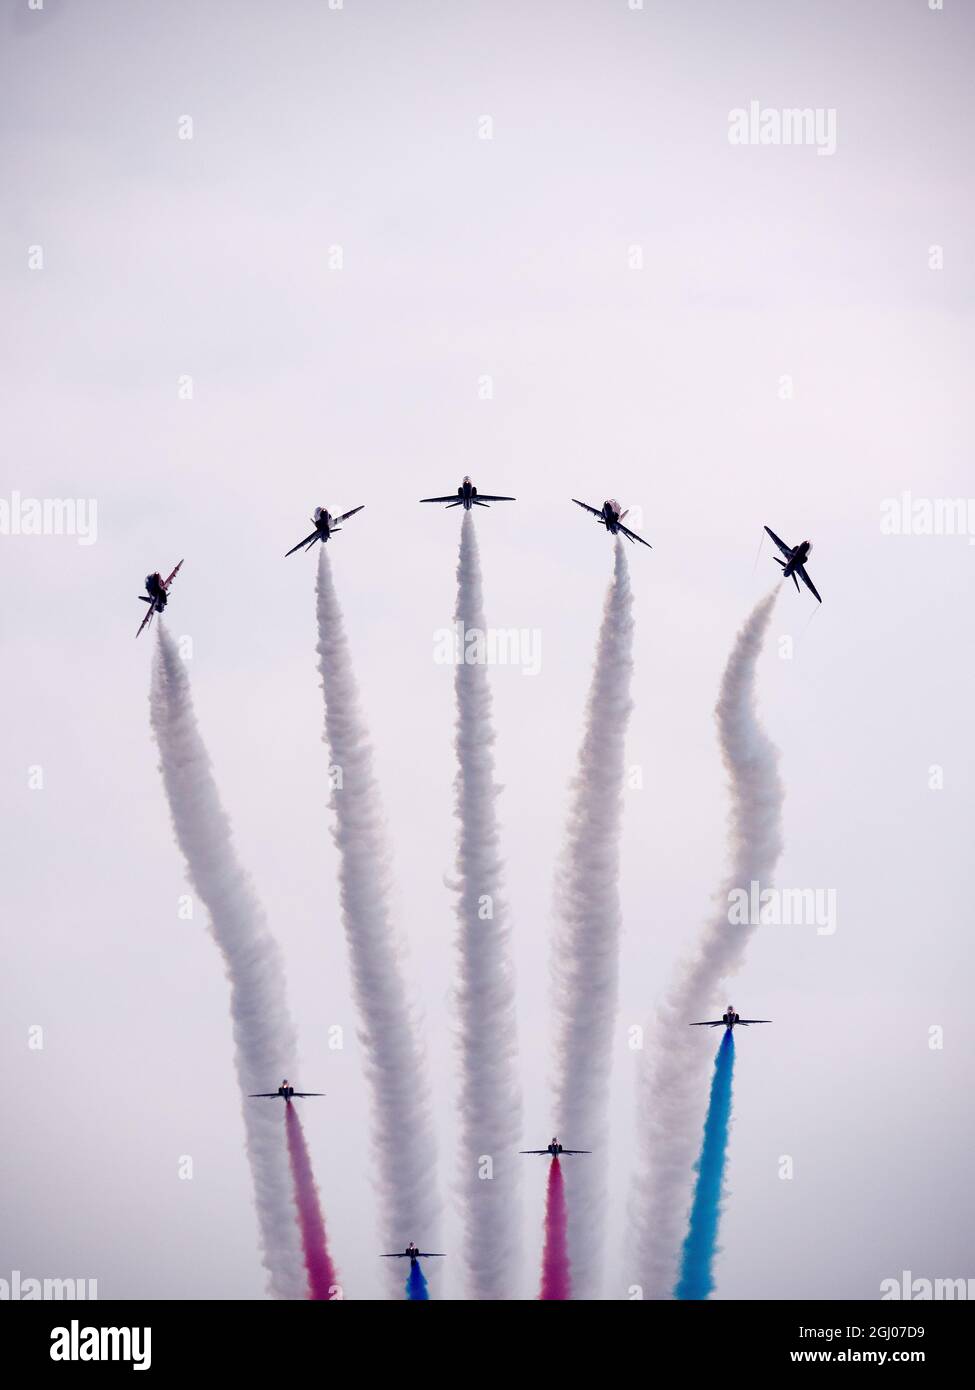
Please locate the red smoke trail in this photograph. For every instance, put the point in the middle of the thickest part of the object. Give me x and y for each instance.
(555, 1256)
(322, 1280)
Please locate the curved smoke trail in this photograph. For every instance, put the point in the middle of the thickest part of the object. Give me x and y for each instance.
(556, 1282)
(697, 1257)
(490, 1097)
(264, 1036)
(322, 1280)
(586, 965)
(416, 1285)
(403, 1137)
(676, 1067)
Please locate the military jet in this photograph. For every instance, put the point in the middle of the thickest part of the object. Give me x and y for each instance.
(555, 1148)
(325, 525)
(412, 1254)
(286, 1091)
(794, 563)
(730, 1020)
(611, 516)
(157, 589)
(467, 496)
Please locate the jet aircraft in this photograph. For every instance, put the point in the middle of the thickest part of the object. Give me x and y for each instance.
(325, 525)
(555, 1148)
(730, 1020)
(286, 1091)
(412, 1254)
(794, 563)
(158, 590)
(611, 515)
(467, 496)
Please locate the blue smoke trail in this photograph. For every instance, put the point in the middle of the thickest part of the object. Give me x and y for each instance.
(696, 1279)
(416, 1285)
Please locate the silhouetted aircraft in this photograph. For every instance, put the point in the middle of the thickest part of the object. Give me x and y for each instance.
(555, 1148)
(325, 525)
(412, 1254)
(730, 1020)
(467, 496)
(794, 563)
(156, 587)
(285, 1091)
(610, 516)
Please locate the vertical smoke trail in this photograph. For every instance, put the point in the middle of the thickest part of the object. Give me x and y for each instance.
(416, 1285)
(586, 962)
(263, 1033)
(490, 1098)
(676, 1066)
(403, 1137)
(697, 1257)
(322, 1281)
(555, 1255)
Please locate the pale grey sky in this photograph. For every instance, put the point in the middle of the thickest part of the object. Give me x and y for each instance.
(464, 258)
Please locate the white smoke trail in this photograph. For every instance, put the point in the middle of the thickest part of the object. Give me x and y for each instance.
(264, 1036)
(490, 1099)
(403, 1138)
(586, 964)
(673, 1087)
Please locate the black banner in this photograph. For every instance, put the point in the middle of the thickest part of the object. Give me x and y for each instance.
(719, 1340)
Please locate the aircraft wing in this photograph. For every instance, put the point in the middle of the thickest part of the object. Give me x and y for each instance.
(263, 1095)
(146, 620)
(303, 1094)
(812, 588)
(786, 549)
(433, 1254)
(345, 515)
(396, 1255)
(533, 1151)
(586, 507)
(451, 498)
(746, 1021)
(633, 536)
(167, 582)
(577, 1151)
(707, 1023)
(486, 497)
(314, 536)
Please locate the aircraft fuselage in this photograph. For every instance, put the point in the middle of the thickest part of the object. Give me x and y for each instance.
(798, 557)
(612, 516)
(156, 591)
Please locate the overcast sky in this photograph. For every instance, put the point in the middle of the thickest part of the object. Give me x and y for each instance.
(786, 355)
